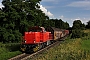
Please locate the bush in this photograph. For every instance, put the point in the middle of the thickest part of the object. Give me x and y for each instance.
(13, 46)
(8, 35)
(78, 34)
(9, 50)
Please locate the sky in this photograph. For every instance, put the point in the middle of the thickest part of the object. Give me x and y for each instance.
(67, 10)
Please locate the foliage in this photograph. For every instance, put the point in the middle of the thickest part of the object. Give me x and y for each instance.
(78, 33)
(77, 24)
(58, 23)
(17, 16)
(88, 25)
(78, 28)
(7, 35)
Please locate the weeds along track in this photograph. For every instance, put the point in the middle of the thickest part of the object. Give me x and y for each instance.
(19, 57)
(25, 56)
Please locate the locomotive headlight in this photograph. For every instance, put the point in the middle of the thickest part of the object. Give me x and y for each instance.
(34, 41)
(25, 41)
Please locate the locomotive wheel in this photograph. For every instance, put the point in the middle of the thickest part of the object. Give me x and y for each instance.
(23, 49)
(36, 48)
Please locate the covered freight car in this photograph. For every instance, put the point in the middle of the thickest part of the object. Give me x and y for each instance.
(57, 33)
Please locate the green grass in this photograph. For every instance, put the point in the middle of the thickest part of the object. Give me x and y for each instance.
(85, 44)
(7, 55)
(9, 50)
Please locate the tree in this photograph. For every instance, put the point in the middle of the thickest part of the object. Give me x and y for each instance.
(66, 25)
(88, 25)
(77, 24)
(17, 16)
(77, 31)
(58, 23)
(76, 34)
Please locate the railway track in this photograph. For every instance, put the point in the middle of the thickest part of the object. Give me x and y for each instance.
(25, 56)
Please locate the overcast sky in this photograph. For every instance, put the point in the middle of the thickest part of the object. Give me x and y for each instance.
(67, 10)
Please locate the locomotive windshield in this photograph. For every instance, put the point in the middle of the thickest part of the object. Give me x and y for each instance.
(35, 29)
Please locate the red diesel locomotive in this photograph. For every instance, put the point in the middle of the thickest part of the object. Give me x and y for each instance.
(39, 37)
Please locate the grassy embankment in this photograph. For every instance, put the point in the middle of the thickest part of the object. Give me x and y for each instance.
(71, 49)
(9, 50)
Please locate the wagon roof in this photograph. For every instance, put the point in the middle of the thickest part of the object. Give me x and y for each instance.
(56, 29)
